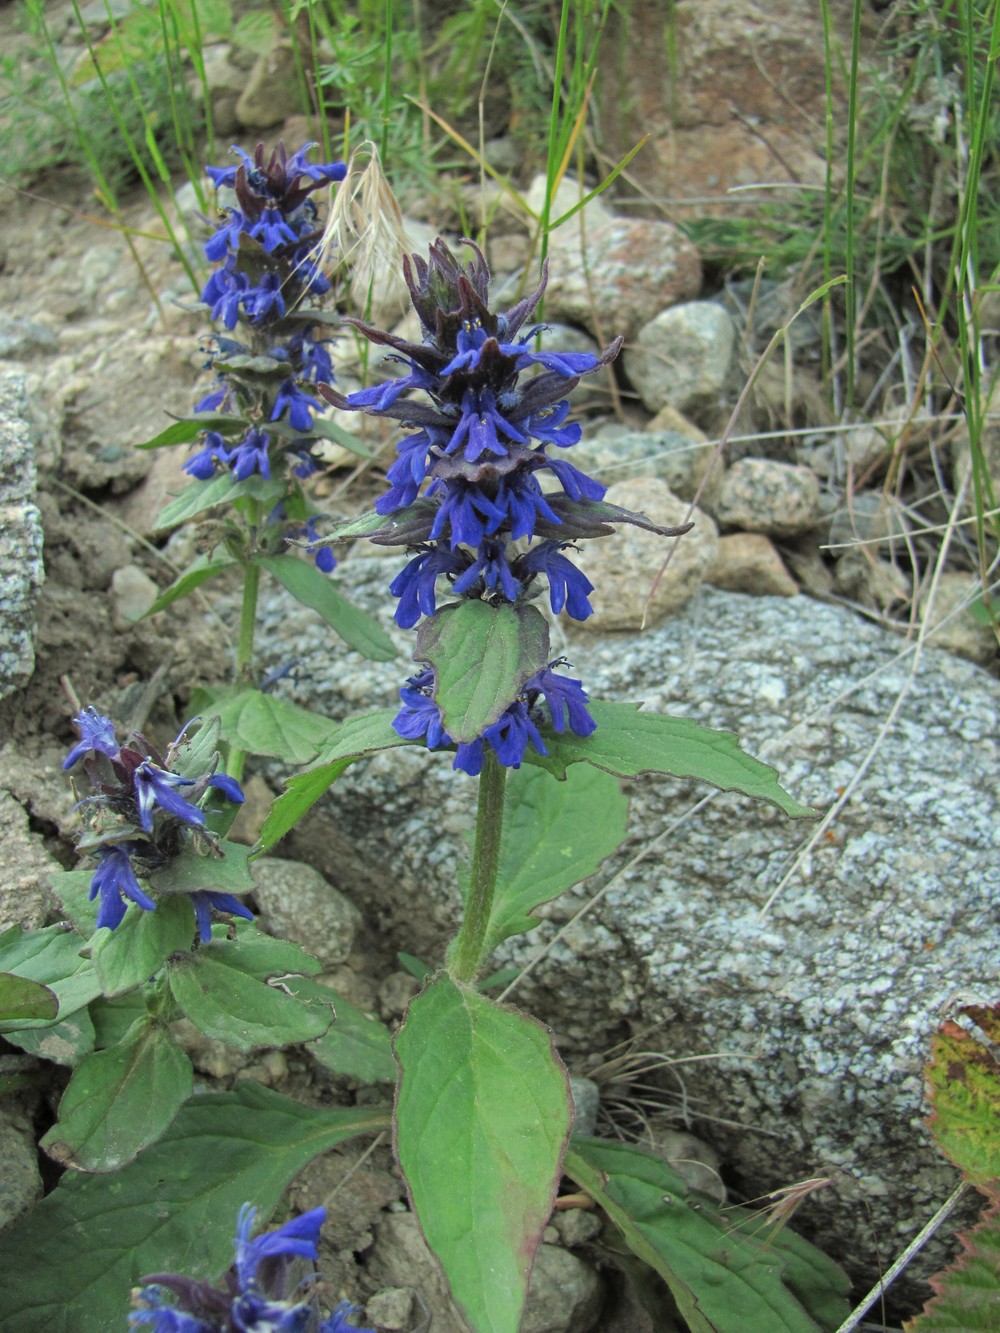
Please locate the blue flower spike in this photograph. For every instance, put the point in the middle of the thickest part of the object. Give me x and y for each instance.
(143, 820)
(255, 1299)
(466, 493)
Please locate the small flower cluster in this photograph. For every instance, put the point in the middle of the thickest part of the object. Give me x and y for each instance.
(139, 820)
(465, 490)
(256, 1298)
(267, 280)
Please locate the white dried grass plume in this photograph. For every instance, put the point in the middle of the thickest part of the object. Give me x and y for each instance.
(365, 235)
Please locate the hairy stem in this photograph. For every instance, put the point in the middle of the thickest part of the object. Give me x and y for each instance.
(468, 953)
(248, 624)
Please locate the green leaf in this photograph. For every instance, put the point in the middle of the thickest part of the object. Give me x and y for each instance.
(415, 966)
(230, 1005)
(258, 954)
(355, 1043)
(67, 1267)
(628, 743)
(198, 748)
(21, 999)
(189, 872)
(726, 1273)
(554, 835)
(329, 430)
(72, 888)
(967, 1293)
(187, 429)
(193, 577)
(51, 956)
(264, 724)
(119, 1101)
(223, 489)
(314, 589)
(351, 740)
(130, 954)
(964, 1086)
(482, 1119)
(112, 1019)
(482, 655)
(65, 1042)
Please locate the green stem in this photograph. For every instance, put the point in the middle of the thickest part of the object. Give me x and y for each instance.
(248, 624)
(468, 953)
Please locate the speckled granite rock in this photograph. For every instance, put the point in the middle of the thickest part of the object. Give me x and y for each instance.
(21, 569)
(825, 1003)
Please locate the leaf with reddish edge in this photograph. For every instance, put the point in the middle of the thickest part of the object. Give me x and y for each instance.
(482, 1120)
(967, 1294)
(964, 1085)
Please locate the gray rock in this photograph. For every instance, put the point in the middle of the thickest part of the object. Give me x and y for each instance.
(615, 452)
(21, 337)
(626, 271)
(762, 495)
(20, 1180)
(271, 93)
(682, 357)
(586, 1103)
(298, 904)
(133, 592)
(951, 621)
(823, 1005)
(25, 870)
(391, 1309)
(21, 570)
(747, 562)
(622, 568)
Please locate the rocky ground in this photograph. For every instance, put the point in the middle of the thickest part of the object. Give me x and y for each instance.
(807, 610)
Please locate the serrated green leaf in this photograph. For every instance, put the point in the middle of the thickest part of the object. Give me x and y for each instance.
(193, 577)
(258, 954)
(482, 655)
(190, 872)
(112, 1019)
(726, 1273)
(351, 740)
(171, 1210)
(187, 429)
(967, 1293)
(264, 724)
(355, 1043)
(628, 743)
(482, 1118)
(22, 999)
(964, 1087)
(555, 834)
(232, 1006)
(200, 496)
(130, 954)
(119, 1101)
(314, 589)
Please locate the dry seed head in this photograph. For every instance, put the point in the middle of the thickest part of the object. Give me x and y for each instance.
(365, 228)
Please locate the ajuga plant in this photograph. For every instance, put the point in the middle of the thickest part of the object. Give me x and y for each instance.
(256, 431)
(259, 1296)
(490, 511)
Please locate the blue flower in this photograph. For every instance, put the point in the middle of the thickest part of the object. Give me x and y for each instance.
(414, 586)
(229, 787)
(255, 1299)
(97, 733)
(155, 786)
(569, 587)
(299, 406)
(224, 292)
(114, 879)
(205, 901)
(250, 456)
(492, 569)
(204, 463)
(420, 717)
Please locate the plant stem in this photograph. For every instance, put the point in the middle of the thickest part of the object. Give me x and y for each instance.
(248, 624)
(468, 952)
